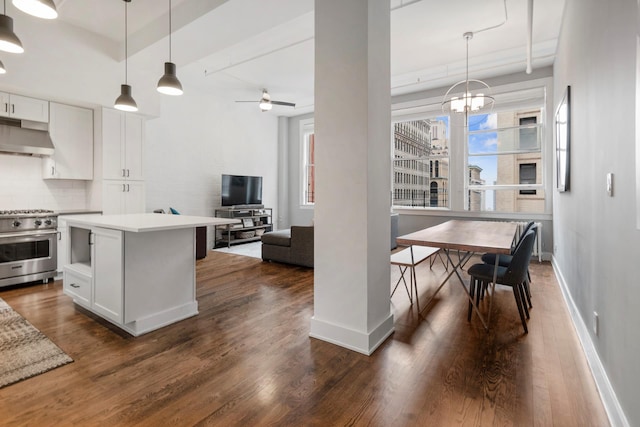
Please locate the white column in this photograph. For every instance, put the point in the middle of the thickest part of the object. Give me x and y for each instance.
(352, 210)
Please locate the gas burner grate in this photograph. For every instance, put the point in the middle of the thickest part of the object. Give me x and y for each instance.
(26, 212)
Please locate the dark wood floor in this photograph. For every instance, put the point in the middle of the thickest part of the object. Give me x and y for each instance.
(247, 359)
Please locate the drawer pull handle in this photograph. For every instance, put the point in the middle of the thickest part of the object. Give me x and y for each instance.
(73, 285)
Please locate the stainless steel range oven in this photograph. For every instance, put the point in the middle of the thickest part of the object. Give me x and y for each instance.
(28, 246)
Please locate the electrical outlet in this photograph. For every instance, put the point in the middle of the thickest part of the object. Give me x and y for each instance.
(596, 323)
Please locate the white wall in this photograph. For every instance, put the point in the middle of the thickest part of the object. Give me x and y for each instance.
(596, 239)
(200, 136)
(22, 186)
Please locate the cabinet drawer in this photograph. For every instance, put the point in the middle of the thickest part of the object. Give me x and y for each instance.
(77, 286)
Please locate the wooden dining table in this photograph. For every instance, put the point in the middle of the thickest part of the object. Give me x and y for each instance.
(468, 238)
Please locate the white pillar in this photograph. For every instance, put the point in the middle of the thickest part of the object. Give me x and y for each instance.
(352, 209)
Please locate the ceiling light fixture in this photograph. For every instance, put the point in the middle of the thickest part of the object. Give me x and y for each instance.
(469, 95)
(265, 101)
(169, 83)
(45, 9)
(125, 101)
(9, 42)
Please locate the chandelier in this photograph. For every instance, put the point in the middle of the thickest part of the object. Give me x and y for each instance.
(469, 95)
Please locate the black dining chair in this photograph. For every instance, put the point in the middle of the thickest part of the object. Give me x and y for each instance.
(505, 260)
(514, 275)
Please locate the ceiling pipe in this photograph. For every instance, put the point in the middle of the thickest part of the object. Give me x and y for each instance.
(529, 35)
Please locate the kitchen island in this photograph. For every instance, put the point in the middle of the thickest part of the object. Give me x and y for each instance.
(138, 270)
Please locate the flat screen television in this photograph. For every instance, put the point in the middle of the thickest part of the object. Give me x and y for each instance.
(241, 190)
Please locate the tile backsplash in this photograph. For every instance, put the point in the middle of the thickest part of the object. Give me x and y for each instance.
(22, 187)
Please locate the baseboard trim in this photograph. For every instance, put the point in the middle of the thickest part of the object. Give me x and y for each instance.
(607, 394)
(365, 343)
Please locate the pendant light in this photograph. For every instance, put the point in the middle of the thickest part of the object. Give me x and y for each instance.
(45, 9)
(125, 101)
(9, 42)
(169, 83)
(474, 96)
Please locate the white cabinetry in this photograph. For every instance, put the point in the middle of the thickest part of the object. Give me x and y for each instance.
(63, 244)
(23, 107)
(71, 130)
(122, 197)
(122, 162)
(77, 284)
(136, 271)
(94, 275)
(122, 145)
(108, 273)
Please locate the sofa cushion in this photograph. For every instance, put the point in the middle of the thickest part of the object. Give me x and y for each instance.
(277, 238)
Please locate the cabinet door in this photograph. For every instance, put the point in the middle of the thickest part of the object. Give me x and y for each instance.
(63, 245)
(4, 104)
(108, 273)
(71, 130)
(123, 197)
(23, 107)
(113, 192)
(112, 144)
(134, 147)
(134, 197)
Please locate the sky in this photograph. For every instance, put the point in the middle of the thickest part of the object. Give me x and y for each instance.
(484, 143)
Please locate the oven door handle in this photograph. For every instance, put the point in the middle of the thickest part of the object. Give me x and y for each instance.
(29, 234)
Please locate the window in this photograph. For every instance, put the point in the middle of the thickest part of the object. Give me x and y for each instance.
(308, 163)
(527, 176)
(504, 155)
(420, 163)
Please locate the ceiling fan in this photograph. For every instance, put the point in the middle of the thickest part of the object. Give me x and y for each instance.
(266, 103)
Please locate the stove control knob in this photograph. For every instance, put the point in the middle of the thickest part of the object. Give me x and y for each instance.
(38, 222)
(16, 223)
(47, 222)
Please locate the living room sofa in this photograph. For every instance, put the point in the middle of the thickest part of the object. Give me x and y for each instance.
(291, 246)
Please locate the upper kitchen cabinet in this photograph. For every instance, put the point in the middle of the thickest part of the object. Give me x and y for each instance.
(122, 145)
(23, 107)
(71, 130)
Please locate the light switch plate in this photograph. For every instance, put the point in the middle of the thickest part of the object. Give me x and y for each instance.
(610, 184)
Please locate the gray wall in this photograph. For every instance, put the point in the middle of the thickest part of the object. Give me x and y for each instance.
(596, 239)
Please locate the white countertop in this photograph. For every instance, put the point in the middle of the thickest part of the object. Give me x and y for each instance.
(138, 223)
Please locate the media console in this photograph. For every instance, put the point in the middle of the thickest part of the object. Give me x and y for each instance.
(255, 220)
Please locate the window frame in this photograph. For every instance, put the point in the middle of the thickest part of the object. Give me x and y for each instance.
(307, 127)
(509, 96)
(429, 162)
(484, 188)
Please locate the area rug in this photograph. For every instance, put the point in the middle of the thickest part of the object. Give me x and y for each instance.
(253, 249)
(24, 351)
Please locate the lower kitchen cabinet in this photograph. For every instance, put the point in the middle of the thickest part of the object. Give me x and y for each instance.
(123, 197)
(94, 275)
(135, 271)
(77, 284)
(108, 273)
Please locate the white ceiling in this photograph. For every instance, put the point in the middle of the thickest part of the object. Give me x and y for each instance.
(241, 46)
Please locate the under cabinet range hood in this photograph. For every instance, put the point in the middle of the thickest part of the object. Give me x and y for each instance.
(25, 138)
